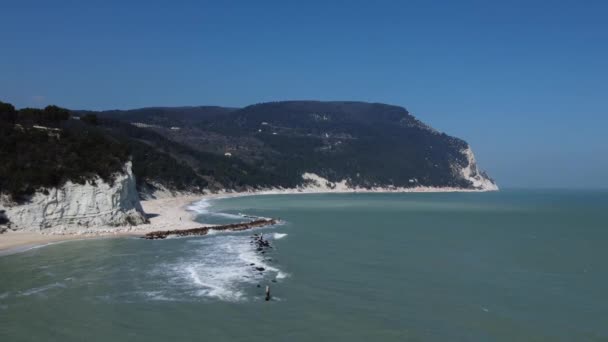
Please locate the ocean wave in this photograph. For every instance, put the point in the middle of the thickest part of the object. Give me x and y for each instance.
(41, 289)
(200, 207)
(278, 236)
(226, 215)
(221, 267)
(157, 295)
(203, 206)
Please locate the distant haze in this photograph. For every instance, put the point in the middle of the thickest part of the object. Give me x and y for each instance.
(524, 83)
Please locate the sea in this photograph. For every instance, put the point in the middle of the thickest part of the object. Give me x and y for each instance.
(514, 265)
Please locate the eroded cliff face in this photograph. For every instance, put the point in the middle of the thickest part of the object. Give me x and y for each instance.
(74, 206)
(479, 180)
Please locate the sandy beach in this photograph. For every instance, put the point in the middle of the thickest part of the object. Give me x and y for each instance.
(164, 214)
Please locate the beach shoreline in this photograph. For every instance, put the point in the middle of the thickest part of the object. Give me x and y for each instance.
(166, 213)
(170, 213)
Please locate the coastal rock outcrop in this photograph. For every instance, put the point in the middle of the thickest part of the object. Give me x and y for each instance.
(73, 206)
(479, 179)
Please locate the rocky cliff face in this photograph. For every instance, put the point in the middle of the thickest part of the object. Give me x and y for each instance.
(75, 206)
(479, 179)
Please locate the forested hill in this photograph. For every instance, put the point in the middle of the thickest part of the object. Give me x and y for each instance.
(367, 144)
(213, 148)
(273, 144)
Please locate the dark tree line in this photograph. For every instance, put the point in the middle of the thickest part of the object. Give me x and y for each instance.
(50, 115)
(42, 148)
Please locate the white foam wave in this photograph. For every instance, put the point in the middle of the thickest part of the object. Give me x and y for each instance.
(278, 236)
(41, 289)
(200, 207)
(227, 215)
(203, 206)
(157, 295)
(221, 267)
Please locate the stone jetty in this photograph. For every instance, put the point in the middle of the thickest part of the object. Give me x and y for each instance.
(234, 227)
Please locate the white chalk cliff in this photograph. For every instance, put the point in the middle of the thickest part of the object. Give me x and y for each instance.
(478, 179)
(75, 206)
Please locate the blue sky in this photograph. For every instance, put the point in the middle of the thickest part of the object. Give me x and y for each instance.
(524, 82)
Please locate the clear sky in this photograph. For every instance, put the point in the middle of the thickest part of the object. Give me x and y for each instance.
(524, 82)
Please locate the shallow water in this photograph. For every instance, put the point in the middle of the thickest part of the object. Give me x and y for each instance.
(507, 266)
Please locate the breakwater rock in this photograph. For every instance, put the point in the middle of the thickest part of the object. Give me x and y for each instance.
(234, 227)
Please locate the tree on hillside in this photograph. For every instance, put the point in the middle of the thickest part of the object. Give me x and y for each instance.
(49, 115)
(7, 112)
(90, 119)
(54, 114)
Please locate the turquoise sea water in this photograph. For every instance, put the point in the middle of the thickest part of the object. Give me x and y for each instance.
(506, 266)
